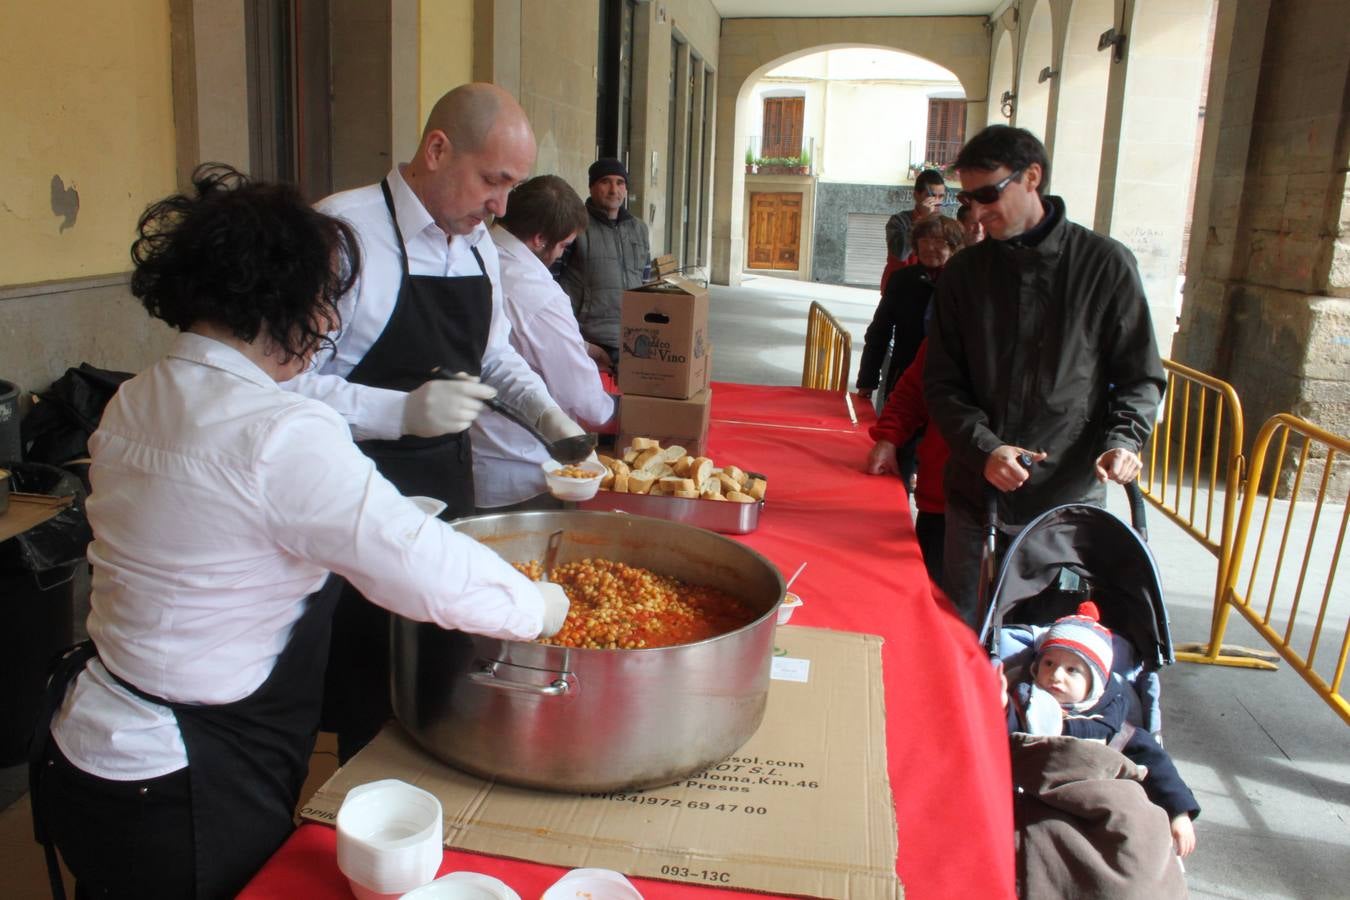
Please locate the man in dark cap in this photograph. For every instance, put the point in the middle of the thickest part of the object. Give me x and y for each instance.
(608, 258)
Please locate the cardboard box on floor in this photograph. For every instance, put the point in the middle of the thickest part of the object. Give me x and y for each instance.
(663, 339)
(804, 808)
(672, 422)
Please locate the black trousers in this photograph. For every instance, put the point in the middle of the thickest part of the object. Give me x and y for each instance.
(930, 529)
(120, 839)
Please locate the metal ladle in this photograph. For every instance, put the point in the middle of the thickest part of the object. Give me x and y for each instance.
(567, 451)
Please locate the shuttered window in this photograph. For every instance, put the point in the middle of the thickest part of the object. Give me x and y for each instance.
(865, 248)
(783, 117)
(946, 130)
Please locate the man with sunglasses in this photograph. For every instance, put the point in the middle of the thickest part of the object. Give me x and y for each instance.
(1041, 349)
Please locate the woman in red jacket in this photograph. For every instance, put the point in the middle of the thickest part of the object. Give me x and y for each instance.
(906, 415)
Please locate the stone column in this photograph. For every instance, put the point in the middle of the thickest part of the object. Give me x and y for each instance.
(1266, 304)
(1152, 106)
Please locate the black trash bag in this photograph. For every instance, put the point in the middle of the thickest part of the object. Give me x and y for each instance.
(57, 428)
(58, 542)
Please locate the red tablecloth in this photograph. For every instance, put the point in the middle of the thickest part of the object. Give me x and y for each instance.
(946, 743)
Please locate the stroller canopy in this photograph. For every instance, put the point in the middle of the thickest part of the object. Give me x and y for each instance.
(1099, 548)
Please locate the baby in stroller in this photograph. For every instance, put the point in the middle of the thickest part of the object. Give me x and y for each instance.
(1068, 690)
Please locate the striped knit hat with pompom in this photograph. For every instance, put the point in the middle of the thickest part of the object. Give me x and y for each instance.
(1083, 635)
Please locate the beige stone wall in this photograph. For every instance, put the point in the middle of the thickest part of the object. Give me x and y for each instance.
(46, 329)
(1266, 305)
(697, 25)
(750, 47)
(558, 44)
(88, 100)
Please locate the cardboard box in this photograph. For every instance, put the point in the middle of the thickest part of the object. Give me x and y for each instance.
(682, 422)
(29, 511)
(663, 340)
(803, 808)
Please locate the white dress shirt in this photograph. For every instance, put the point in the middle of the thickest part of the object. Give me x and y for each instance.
(220, 501)
(545, 333)
(367, 307)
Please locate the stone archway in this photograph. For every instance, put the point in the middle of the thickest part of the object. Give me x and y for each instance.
(751, 47)
(1081, 110)
(1033, 96)
(1000, 78)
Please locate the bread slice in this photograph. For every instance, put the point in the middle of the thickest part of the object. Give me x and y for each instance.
(642, 443)
(673, 483)
(649, 458)
(728, 483)
(700, 469)
(673, 453)
(692, 495)
(640, 482)
(735, 473)
(621, 481)
(757, 488)
(739, 497)
(682, 465)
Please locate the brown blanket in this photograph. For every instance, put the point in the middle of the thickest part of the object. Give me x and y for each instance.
(1085, 828)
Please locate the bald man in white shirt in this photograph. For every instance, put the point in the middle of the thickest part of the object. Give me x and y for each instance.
(543, 218)
(429, 298)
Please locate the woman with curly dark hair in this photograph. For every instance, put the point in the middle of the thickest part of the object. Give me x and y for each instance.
(179, 735)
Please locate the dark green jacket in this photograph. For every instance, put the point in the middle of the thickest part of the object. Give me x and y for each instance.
(1049, 348)
(605, 260)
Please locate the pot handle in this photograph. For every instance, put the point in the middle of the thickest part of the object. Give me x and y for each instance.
(490, 674)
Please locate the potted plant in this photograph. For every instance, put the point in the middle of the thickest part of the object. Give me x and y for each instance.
(750, 161)
(804, 163)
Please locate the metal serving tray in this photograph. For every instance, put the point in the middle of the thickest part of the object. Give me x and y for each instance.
(725, 516)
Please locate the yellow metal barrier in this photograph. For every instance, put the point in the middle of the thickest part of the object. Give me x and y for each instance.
(1276, 615)
(829, 350)
(1199, 440)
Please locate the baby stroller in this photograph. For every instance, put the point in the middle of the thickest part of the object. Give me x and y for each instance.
(1084, 825)
(1064, 556)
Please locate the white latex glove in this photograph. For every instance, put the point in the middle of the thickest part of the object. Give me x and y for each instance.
(556, 605)
(555, 424)
(445, 407)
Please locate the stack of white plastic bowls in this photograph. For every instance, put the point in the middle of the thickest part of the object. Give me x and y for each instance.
(464, 886)
(389, 838)
(592, 884)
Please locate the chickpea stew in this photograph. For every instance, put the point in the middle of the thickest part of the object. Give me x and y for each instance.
(616, 606)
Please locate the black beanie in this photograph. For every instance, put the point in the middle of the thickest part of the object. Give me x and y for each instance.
(602, 167)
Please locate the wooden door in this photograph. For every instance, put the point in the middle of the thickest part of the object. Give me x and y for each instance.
(775, 231)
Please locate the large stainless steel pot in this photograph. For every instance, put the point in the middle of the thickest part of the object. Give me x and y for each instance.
(592, 720)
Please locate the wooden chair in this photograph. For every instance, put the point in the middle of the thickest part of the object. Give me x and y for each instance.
(829, 350)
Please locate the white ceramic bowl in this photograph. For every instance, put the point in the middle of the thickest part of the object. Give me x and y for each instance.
(789, 605)
(389, 837)
(592, 884)
(463, 886)
(573, 488)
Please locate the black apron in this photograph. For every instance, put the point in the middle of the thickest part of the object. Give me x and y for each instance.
(437, 321)
(247, 760)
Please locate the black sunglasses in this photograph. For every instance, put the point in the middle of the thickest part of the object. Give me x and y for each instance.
(989, 193)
